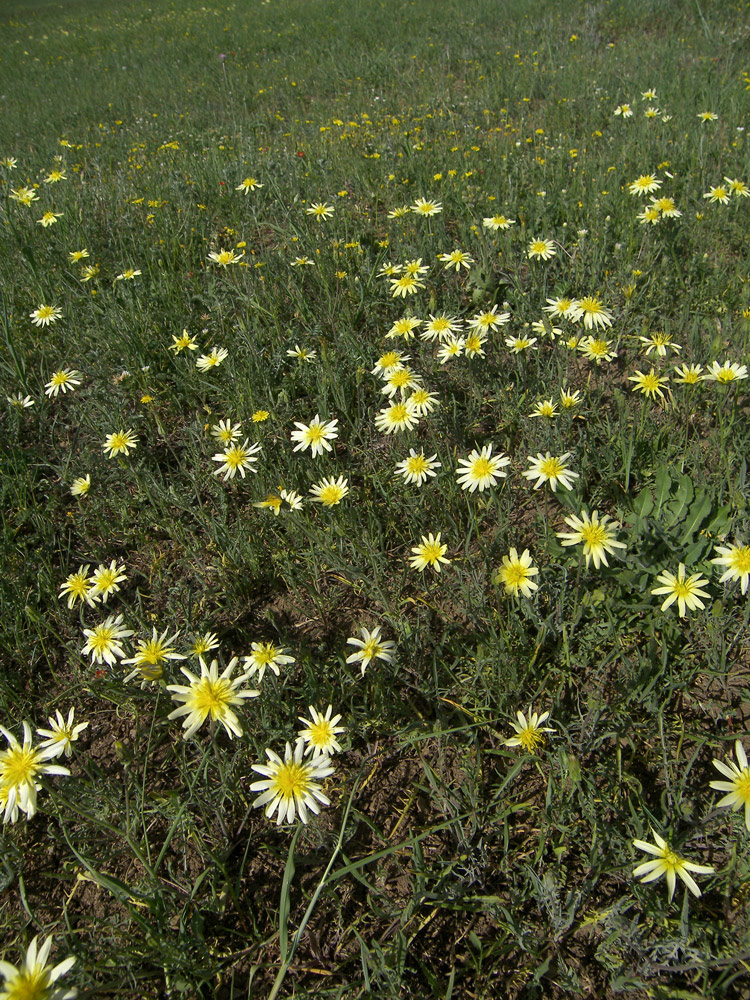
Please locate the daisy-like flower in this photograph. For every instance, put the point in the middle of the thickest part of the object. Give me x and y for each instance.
(330, 491)
(736, 560)
(121, 442)
(544, 328)
(592, 312)
(649, 383)
(321, 732)
(105, 641)
(645, 184)
(661, 343)
(89, 271)
(489, 320)
(389, 361)
(62, 734)
(407, 284)
(737, 187)
(258, 416)
(302, 354)
(77, 587)
(422, 401)
(397, 417)
(129, 274)
(24, 195)
(456, 259)
(266, 655)
(707, 116)
(248, 184)
(540, 249)
(370, 647)
(516, 572)
(55, 176)
(718, 194)
(404, 327)
(277, 502)
(44, 315)
(106, 580)
(64, 379)
(20, 769)
(291, 786)
(685, 590)
(738, 785)
(35, 979)
(415, 267)
(474, 344)
(564, 307)
(520, 344)
(302, 262)
(545, 408)
(452, 348)
(184, 341)
(649, 215)
(481, 469)
(74, 256)
(430, 552)
(211, 360)
(417, 467)
(400, 380)
(204, 644)
(550, 469)
(667, 208)
(151, 655)
(495, 222)
(315, 435)
(689, 374)
(623, 111)
(81, 486)
(9, 162)
(223, 258)
(652, 112)
(389, 270)
(20, 401)
(667, 862)
(649, 95)
(425, 206)
(730, 371)
(226, 432)
(49, 219)
(595, 533)
(597, 349)
(320, 210)
(212, 694)
(569, 399)
(237, 458)
(529, 732)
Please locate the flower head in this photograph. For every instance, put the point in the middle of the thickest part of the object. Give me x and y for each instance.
(321, 732)
(64, 379)
(211, 360)
(81, 485)
(77, 587)
(35, 979)
(226, 432)
(592, 312)
(44, 315)
(330, 491)
(738, 786)
(425, 206)
(667, 862)
(121, 442)
(237, 458)
(597, 349)
(248, 184)
(685, 590)
(291, 786)
(516, 572)
(315, 435)
(417, 467)
(730, 371)
(429, 552)
(659, 342)
(105, 580)
(267, 655)
(645, 184)
(151, 655)
(104, 642)
(62, 734)
(184, 341)
(595, 533)
(529, 732)
(736, 560)
(404, 327)
(488, 320)
(481, 469)
(718, 194)
(541, 249)
(550, 469)
(397, 417)
(223, 258)
(20, 769)
(320, 210)
(689, 374)
(370, 647)
(495, 222)
(456, 259)
(649, 383)
(212, 694)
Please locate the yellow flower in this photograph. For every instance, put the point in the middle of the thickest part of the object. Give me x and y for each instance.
(291, 786)
(516, 572)
(529, 733)
(429, 552)
(212, 695)
(667, 863)
(738, 785)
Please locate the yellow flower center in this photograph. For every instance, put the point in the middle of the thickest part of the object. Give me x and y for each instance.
(331, 494)
(315, 434)
(530, 739)
(551, 468)
(594, 535)
(210, 697)
(235, 457)
(431, 552)
(32, 984)
(321, 733)
(739, 559)
(101, 640)
(725, 375)
(19, 766)
(416, 465)
(482, 468)
(291, 780)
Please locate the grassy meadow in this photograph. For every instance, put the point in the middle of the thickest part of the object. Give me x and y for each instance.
(392, 356)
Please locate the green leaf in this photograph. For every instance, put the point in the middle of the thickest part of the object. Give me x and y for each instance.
(663, 485)
(697, 514)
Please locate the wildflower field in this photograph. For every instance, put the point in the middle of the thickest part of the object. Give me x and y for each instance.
(376, 549)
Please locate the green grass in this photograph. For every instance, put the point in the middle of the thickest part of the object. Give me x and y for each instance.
(448, 864)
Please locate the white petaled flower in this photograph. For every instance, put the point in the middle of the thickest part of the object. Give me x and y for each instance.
(397, 417)
(595, 533)
(237, 458)
(321, 732)
(667, 862)
(330, 491)
(370, 647)
(77, 587)
(550, 469)
(736, 560)
(62, 734)
(151, 655)
(730, 371)
(481, 469)
(106, 580)
(266, 655)
(211, 360)
(738, 785)
(529, 732)
(226, 432)
(20, 768)
(516, 572)
(315, 435)
(456, 259)
(290, 787)
(35, 979)
(212, 694)
(104, 642)
(417, 467)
